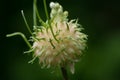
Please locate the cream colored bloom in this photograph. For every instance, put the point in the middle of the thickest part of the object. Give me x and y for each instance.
(67, 43)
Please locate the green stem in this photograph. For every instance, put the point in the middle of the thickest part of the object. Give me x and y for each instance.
(40, 20)
(26, 22)
(45, 7)
(22, 35)
(46, 12)
(34, 13)
(64, 73)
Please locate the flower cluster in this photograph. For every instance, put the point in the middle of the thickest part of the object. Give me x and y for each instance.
(63, 46)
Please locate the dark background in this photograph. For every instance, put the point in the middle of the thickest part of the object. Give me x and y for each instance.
(101, 20)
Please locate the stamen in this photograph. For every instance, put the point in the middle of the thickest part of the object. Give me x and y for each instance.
(67, 26)
(51, 43)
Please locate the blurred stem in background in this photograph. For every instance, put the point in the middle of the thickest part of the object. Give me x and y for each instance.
(64, 73)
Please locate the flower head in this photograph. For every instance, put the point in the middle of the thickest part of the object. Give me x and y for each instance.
(64, 45)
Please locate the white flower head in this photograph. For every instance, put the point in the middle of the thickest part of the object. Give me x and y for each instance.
(65, 46)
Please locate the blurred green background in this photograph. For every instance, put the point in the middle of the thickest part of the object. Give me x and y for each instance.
(101, 20)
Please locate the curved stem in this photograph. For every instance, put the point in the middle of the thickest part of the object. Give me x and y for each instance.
(36, 14)
(26, 22)
(22, 35)
(40, 20)
(46, 12)
(45, 7)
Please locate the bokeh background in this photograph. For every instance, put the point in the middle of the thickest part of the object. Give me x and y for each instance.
(101, 20)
